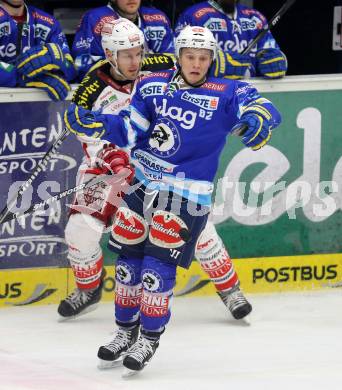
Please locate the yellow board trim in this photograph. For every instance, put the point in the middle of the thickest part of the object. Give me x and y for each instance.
(42, 286)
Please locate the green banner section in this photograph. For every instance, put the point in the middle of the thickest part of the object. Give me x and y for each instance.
(285, 199)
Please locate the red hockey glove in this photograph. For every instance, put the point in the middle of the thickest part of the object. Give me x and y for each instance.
(113, 160)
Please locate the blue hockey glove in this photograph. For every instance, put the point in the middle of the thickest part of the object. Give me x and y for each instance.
(254, 129)
(271, 63)
(54, 84)
(82, 122)
(232, 65)
(43, 58)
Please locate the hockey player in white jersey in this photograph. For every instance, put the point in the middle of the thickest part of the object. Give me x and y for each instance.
(109, 86)
(176, 134)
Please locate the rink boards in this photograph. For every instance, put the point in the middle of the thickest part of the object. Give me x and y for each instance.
(42, 286)
(283, 240)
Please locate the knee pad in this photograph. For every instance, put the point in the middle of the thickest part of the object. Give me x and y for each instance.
(127, 291)
(83, 232)
(85, 254)
(158, 280)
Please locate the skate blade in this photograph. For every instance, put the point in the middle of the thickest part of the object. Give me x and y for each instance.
(127, 373)
(246, 320)
(89, 309)
(107, 365)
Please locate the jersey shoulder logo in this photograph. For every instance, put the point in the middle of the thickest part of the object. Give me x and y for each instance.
(99, 25)
(44, 18)
(214, 86)
(203, 11)
(155, 18)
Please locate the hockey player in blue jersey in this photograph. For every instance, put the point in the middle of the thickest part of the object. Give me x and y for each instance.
(177, 126)
(87, 49)
(234, 27)
(33, 50)
(85, 254)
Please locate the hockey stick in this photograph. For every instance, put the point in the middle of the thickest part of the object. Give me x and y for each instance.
(40, 167)
(102, 179)
(268, 26)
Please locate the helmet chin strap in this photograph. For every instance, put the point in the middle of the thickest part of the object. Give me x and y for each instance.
(117, 70)
(12, 5)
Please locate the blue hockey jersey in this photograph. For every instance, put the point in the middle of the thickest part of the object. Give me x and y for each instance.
(232, 33)
(87, 49)
(177, 140)
(39, 28)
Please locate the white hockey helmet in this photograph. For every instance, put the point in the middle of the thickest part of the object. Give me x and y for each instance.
(196, 37)
(120, 34)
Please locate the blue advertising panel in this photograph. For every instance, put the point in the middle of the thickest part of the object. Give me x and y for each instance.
(27, 130)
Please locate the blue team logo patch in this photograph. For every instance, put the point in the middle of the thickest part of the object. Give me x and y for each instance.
(125, 274)
(152, 281)
(164, 140)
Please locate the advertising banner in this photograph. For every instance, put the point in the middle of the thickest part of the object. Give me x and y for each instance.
(41, 286)
(26, 132)
(286, 198)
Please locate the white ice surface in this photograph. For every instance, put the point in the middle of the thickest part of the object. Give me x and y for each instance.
(294, 342)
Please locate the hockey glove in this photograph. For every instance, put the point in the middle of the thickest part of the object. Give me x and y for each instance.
(82, 122)
(232, 65)
(254, 129)
(271, 63)
(52, 83)
(113, 160)
(43, 58)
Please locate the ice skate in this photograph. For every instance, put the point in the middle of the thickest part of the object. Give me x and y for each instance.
(111, 355)
(236, 303)
(139, 355)
(79, 302)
